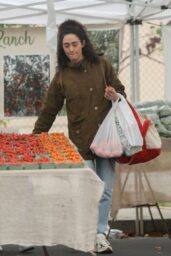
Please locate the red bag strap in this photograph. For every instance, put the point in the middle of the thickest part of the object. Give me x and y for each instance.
(143, 127)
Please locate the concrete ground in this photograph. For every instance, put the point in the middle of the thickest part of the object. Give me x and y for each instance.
(129, 213)
(126, 221)
(136, 246)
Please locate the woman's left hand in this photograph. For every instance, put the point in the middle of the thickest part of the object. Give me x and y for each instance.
(110, 93)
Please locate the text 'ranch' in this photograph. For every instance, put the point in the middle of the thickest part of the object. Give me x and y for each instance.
(13, 40)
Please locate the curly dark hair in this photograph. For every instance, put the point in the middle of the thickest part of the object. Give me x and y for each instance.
(76, 28)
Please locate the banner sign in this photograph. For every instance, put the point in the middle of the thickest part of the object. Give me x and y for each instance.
(26, 65)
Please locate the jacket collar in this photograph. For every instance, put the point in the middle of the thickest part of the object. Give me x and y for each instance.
(82, 65)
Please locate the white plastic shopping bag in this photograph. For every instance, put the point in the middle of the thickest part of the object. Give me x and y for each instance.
(128, 129)
(106, 142)
(152, 142)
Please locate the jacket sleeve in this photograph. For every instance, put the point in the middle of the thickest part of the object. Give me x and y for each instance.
(53, 104)
(112, 79)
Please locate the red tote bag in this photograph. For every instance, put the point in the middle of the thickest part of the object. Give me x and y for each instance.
(151, 142)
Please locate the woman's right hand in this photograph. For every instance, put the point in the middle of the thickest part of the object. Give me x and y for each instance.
(110, 93)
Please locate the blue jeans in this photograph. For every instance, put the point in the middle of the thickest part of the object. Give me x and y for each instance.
(104, 168)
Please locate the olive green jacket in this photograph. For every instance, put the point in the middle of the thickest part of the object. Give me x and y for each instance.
(83, 86)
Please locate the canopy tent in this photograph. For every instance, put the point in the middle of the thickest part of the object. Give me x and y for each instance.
(87, 11)
(53, 12)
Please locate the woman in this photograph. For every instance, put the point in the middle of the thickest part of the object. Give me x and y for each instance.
(88, 83)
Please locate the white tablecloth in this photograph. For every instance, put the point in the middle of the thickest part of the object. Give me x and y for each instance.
(49, 207)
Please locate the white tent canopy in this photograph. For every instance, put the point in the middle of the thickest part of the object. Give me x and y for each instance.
(87, 11)
(52, 12)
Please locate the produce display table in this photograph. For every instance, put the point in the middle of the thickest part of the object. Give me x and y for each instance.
(49, 207)
(47, 194)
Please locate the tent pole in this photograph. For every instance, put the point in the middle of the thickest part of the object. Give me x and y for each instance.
(134, 42)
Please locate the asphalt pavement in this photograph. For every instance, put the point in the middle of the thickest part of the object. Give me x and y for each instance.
(131, 246)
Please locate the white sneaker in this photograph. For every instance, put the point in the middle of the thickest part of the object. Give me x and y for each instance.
(102, 245)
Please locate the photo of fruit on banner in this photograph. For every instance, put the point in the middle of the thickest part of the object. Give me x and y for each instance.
(37, 151)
